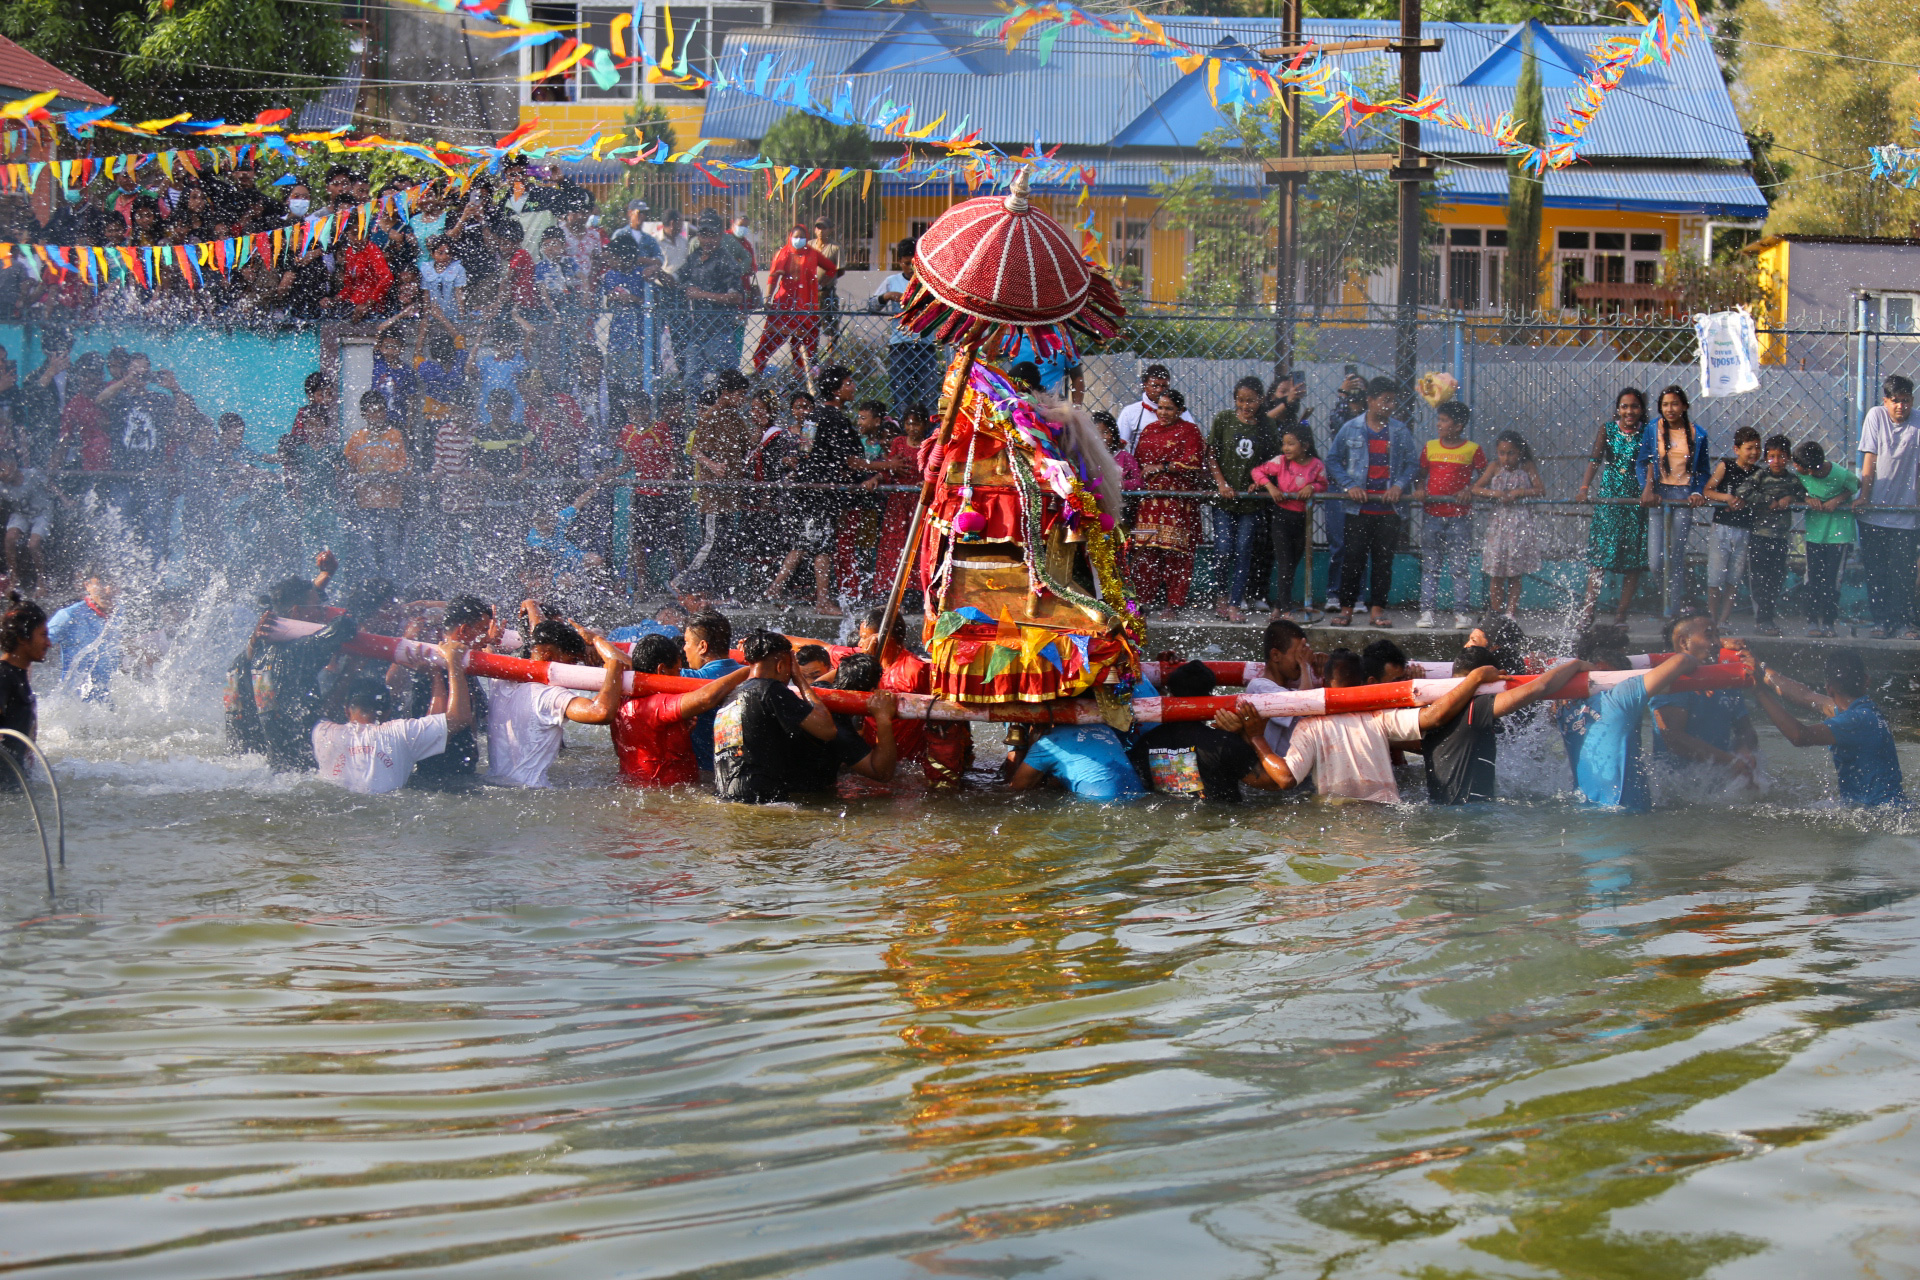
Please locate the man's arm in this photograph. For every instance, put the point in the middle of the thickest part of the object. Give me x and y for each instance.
(1456, 699)
(1673, 729)
(1868, 469)
(459, 708)
(1664, 676)
(1792, 729)
(878, 763)
(1273, 773)
(712, 694)
(819, 721)
(1511, 700)
(602, 709)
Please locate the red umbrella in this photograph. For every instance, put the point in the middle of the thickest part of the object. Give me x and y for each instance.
(1002, 261)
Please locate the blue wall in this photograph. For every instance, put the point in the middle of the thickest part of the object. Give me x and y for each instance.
(256, 375)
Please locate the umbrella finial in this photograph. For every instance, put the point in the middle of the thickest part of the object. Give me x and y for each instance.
(1017, 194)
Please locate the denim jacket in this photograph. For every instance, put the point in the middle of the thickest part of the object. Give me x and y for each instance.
(1347, 458)
(1648, 455)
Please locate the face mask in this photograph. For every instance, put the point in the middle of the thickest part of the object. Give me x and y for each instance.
(298, 207)
(798, 242)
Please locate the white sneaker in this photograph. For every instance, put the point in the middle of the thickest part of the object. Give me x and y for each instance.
(1463, 622)
(1426, 622)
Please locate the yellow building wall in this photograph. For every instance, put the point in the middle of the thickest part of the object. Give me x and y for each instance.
(568, 123)
(1771, 265)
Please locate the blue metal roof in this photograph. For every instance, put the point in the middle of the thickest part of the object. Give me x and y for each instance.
(1094, 92)
(334, 108)
(1723, 193)
(1111, 178)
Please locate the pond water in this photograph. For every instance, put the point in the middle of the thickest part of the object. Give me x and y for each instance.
(272, 1029)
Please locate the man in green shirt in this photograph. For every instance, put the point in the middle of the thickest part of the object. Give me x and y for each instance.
(1831, 490)
(1241, 439)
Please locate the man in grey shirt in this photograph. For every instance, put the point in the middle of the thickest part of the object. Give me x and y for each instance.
(1890, 477)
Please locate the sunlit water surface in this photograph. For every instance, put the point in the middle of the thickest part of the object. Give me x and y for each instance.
(271, 1029)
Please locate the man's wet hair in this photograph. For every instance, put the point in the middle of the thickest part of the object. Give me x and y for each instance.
(1191, 680)
(1601, 640)
(1281, 634)
(1896, 385)
(859, 672)
(1343, 667)
(714, 628)
(1507, 641)
(1378, 656)
(560, 636)
(1473, 657)
(762, 645)
(369, 697)
(464, 609)
(878, 614)
(288, 593)
(1847, 672)
(651, 652)
(808, 654)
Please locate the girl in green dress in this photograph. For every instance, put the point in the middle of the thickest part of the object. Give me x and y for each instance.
(1617, 539)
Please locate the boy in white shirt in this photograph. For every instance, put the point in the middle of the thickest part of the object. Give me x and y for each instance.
(371, 757)
(525, 722)
(1348, 755)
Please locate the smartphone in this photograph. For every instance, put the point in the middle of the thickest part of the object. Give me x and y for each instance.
(1349, 370)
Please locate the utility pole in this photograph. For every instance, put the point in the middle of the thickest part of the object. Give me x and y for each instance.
(1286, 269)
(1405, 166)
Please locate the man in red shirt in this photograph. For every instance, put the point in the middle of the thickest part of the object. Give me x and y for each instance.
(944, 748)
(793, 288)
(653, 733)
(658, 517)
(82, 424)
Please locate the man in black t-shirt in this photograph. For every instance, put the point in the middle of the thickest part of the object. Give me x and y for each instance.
(836, 442)
(1193, 759)
(139, 427)
(765, 731)
(818, 768)
(1462, 753)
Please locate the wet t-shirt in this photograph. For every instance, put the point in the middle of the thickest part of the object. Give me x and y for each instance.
(1713, 715)
(1189, 758)
(754, 747)
(703, 723)
(1601, 733)
(1461, 755)
(373, 759)
(18, 713)
(817, 765)
(138, 435)
(1864, 759)
(1089, 760)
(654, 745)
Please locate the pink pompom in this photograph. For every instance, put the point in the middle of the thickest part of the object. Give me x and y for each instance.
(969, 522)
(1106, 522)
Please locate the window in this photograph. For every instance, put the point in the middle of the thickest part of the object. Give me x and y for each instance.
(1128, 253)
(698, 30)
(1471, 260)
(1605, 257)
(1892, 312)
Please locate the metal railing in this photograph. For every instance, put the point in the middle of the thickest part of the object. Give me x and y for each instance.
(26, 789)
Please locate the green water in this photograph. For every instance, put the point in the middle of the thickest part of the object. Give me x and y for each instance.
(271, 1029)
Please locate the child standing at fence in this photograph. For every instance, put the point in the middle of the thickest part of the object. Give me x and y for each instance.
(1732, 521)
(1830, 531)
(1291, 479)
(1772, 493)
(1448, 468)
(1511, 549)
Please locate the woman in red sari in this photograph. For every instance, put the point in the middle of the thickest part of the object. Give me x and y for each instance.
(1173, 456)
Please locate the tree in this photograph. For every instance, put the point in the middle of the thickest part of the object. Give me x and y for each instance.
(1347, 219)
(217, 59)
(1526, 193)
(1826, 107)
(808, 142)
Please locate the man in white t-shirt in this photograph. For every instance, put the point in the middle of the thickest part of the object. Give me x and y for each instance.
(1132, 420)
(525, 722)
(1890, 477)
(370, 756)
(913, 359)
(1349, 755)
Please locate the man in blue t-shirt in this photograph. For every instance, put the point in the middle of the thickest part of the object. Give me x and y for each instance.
(89, 640)
(708, 638)
(1086, 759)
(1709, 731)
(1864, 759)
(1601, 731)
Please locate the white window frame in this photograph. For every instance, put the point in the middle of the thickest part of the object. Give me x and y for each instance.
(1488, 263)
(1877, 319)
(531, 60)
(1587, 257)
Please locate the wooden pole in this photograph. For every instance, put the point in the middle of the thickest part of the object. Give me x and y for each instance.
(911, 551)
(1407, 334)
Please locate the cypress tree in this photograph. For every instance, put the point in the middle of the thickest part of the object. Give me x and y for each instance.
(1525, 191)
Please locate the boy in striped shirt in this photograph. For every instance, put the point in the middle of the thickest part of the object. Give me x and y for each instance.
(1448, 468)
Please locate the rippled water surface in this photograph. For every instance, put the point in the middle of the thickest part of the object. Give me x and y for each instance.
(270, 1029)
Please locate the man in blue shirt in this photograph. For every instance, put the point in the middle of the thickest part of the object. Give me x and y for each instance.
(1087, 759)
(1601, 731)
(708, 638)
(1373, 462)
(1710, 731)
(89, 640)
(1864, 759)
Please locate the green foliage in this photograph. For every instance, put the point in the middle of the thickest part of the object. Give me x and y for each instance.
(218, 59)
(800, 139)
(1348, 220)
(662, 187)
(1526, 193)
(809, 142)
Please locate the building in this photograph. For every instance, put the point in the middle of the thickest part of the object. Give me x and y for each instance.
(1871, 282)
(1666, 159)
(22, 75)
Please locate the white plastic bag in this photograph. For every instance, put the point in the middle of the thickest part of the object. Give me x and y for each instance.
(1729, 353)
